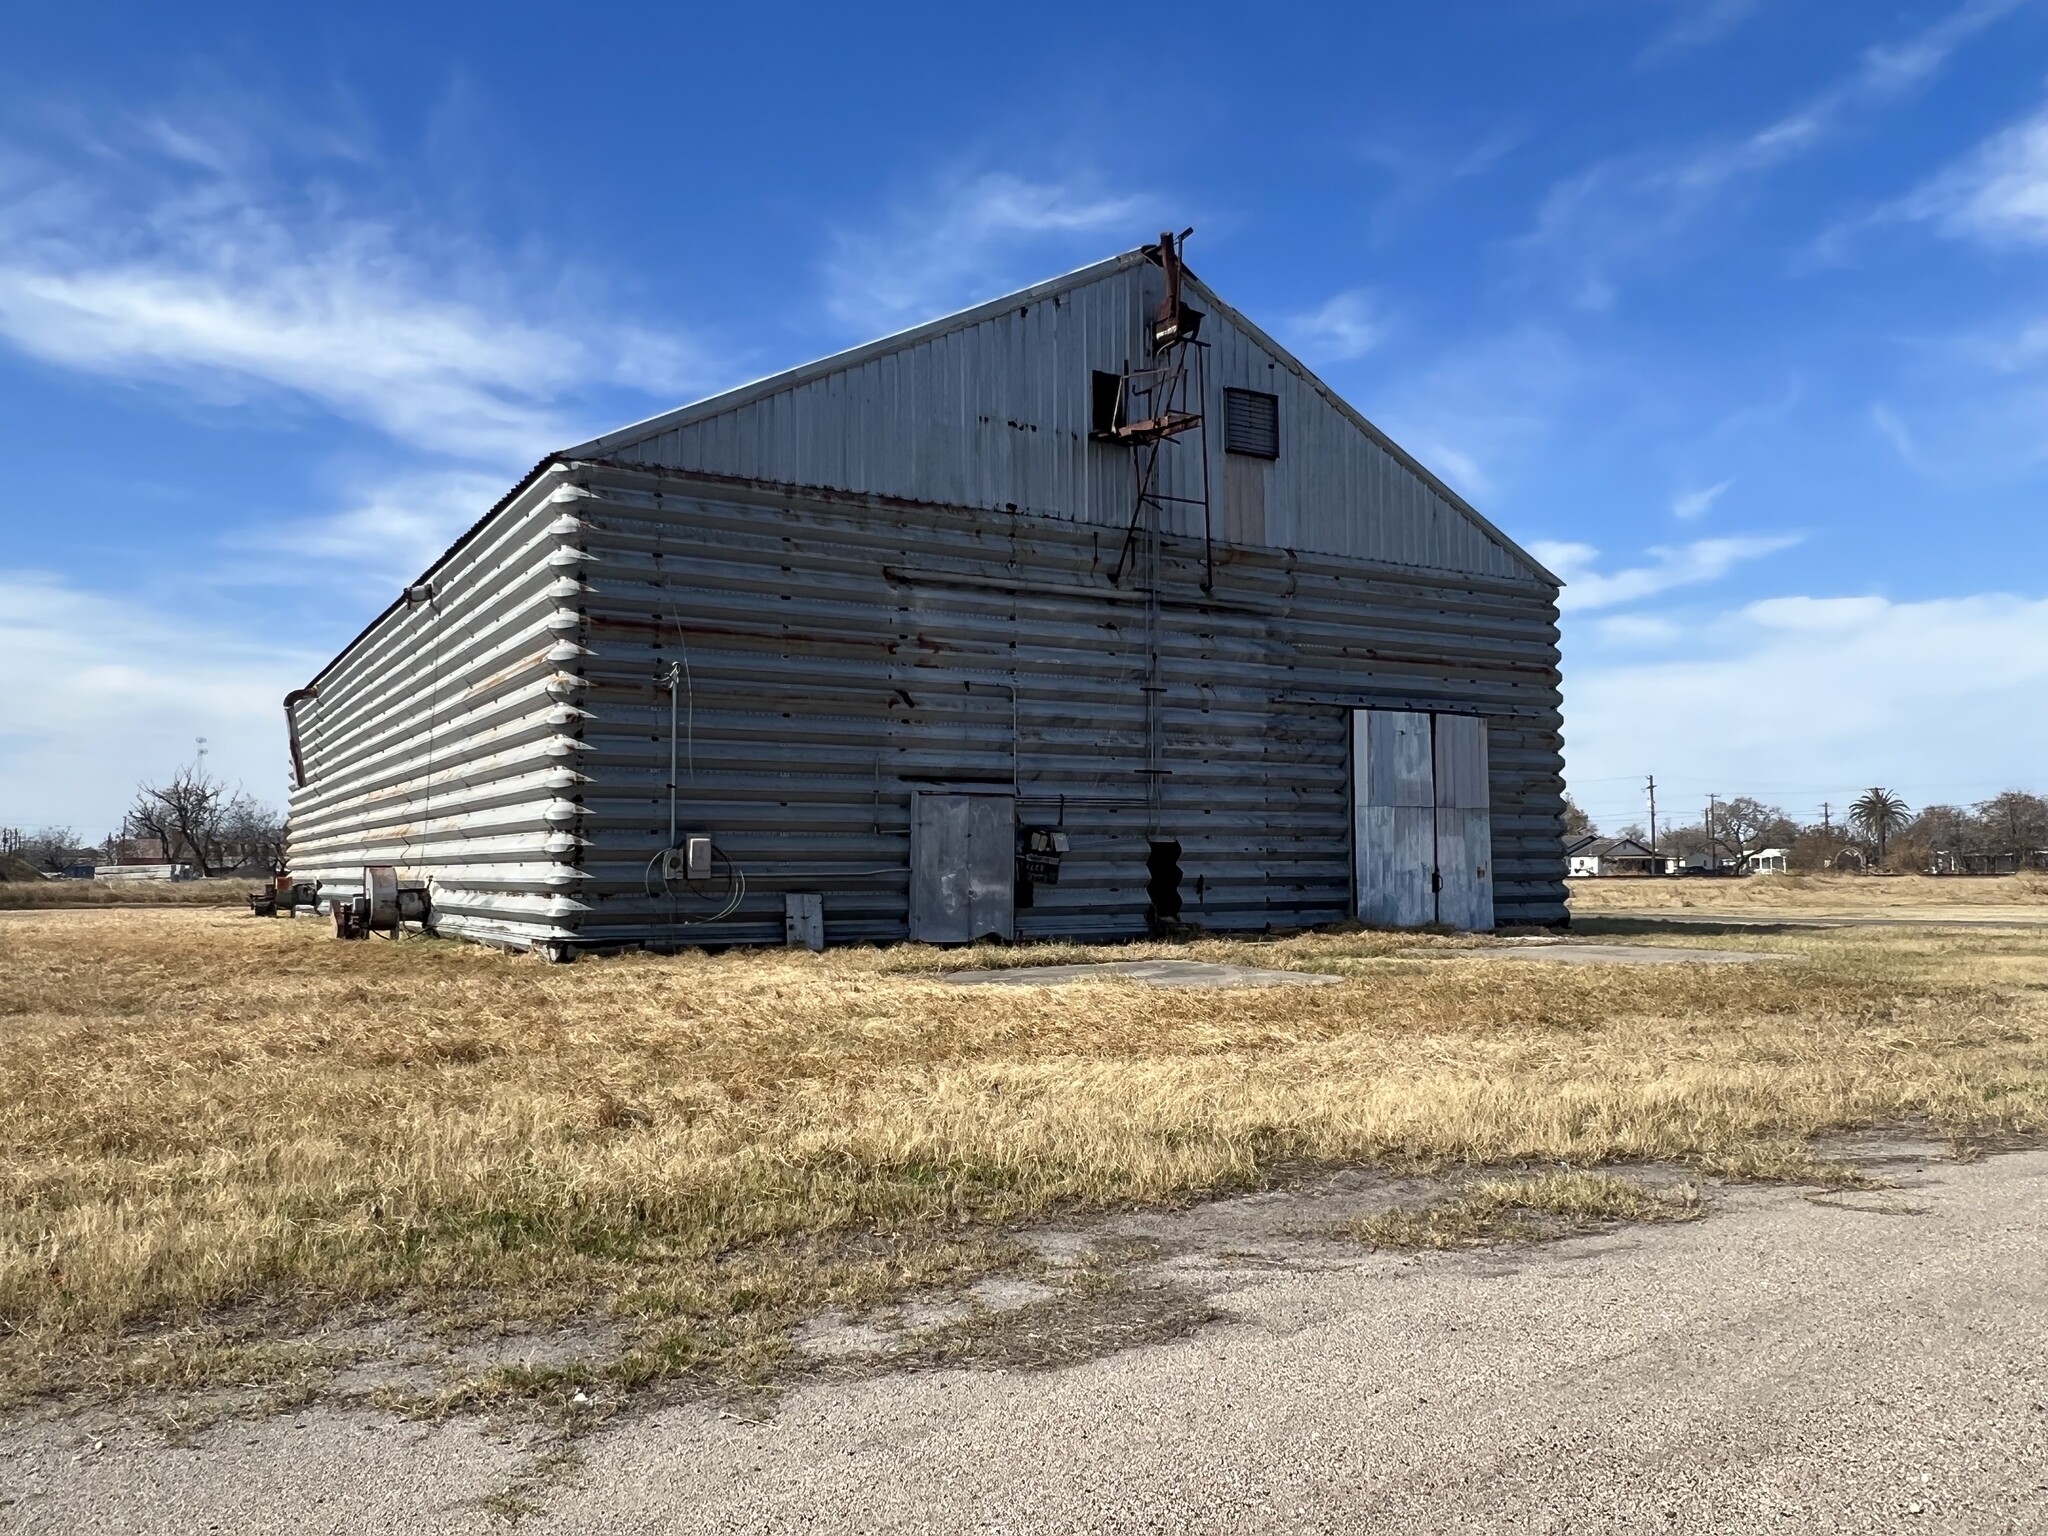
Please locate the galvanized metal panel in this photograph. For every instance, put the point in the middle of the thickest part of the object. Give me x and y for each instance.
(445, 741)
(1464, 863)
(845, 652)
(1396, 760)
(1460, 758)
(940, 851)
(1396, 859)
(1464, 827)
(962, 867)
(989, 412)
(1395, 808)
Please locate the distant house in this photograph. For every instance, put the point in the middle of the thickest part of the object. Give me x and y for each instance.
(1769, 861)
(1592, 857)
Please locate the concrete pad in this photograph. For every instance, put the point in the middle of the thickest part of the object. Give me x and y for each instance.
(1153, 973)
(1598, 954)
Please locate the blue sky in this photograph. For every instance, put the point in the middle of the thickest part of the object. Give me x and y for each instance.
(1732, 310)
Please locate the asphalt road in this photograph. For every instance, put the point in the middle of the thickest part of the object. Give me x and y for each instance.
(1857, 1363)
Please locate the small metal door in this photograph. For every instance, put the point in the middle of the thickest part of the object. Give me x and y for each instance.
(963, 866)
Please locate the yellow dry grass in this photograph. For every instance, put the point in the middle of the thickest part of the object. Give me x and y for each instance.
(41, 894)
(207, 1118)
(1818, 895)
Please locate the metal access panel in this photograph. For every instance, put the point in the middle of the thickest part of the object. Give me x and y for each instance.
(1394, 802)
(1464, 825)
(803, 920)
(963, 866)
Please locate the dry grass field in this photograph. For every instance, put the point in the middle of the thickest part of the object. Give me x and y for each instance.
(1932, 896)
(44, 895)
(216, 1129)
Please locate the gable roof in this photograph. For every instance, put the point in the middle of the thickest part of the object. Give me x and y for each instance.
(640, 437)
(1594, 846)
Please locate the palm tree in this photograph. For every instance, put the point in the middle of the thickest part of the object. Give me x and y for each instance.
(1877, 814)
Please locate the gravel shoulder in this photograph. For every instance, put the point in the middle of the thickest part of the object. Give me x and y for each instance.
(1852, 1361)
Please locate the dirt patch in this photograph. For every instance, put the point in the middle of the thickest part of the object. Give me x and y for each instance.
(1529, 1208)
(1150, 973)
(1102, 1312)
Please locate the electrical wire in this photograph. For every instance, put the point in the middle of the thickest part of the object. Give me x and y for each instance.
(735, 885)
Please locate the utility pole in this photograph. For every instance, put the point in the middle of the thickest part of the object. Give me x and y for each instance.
(1827, 826)
(1653, 813)
(1713, 843)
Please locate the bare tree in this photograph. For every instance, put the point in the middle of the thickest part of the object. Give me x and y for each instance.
(1815, 847)
(2014, 822)
(251, 833)
(1576, 822)
(184, 815)
(1684, 842)
(49, 847)
(1749, 826)
(11, 839)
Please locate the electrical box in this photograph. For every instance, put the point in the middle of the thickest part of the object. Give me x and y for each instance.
(1038, 862)
(689, 860)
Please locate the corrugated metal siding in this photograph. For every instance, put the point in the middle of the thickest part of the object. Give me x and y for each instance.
(842, 652)
(994, 416)
(443, 741)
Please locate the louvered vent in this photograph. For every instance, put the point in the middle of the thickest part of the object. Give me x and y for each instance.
(1251, 423)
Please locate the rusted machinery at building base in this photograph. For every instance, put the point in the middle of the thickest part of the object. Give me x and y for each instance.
(385, 906)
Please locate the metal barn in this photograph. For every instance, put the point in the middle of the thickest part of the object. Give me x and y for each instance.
(1088, 612)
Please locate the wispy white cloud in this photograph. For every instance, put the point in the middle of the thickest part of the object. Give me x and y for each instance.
(1801, 693)
(964, 241)
(1346, 326)
(1697, 24)
(384, 534)
(272, 270)
(103, 690)
(1894, 431)
(1676, 565)
(1688, 505)
(1997, 194)
(1635, 208)
(172, 257)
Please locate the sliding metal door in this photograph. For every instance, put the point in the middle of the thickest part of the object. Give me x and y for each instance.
(1422, 834)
